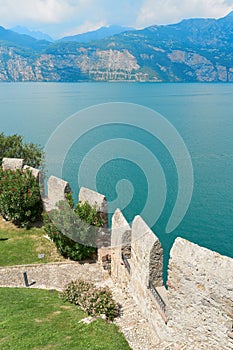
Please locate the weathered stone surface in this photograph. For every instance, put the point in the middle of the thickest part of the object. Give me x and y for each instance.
(97, 200)
(35, 172)
(147, 254)
(121, 231)
(93, 198)
(200, 293)
(104, 254)
(51, 275)
(156, 264)
(57, 190)
(144, 255)
(146, 265)
(103, 237)
(38, 176)
(120, 243)
(12, 163)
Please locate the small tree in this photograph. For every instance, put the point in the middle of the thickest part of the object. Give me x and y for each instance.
(14, 147)
(20, 200)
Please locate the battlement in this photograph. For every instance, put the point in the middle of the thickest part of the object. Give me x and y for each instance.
(195, 310)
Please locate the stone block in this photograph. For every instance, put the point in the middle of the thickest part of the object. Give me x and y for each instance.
(35, 172)
(38, 176)
(120, 243)
(57, 190)
(147, 254)
(12, 163)
(121, 231)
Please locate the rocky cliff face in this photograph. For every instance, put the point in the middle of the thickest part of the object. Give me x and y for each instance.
(100, 65)
(200, 68)
(190, 51)
(111, 65)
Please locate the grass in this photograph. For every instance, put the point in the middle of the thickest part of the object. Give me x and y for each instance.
(34, 319)
(20, 246)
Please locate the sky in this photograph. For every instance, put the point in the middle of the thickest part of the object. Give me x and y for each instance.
(59, 18)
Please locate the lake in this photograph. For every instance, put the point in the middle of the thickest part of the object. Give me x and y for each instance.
(202, 114)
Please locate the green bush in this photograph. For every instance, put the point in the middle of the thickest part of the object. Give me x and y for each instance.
(74, 231)
(89, 214)
(20, 200)
(14, 147)
(94, 301)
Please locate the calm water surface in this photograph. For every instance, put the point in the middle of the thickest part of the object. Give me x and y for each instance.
(202, 114)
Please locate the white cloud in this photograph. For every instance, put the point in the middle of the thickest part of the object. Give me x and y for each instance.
(68, 17)
(85, 27)
(171, 11)
(40, 11)
(51, 11)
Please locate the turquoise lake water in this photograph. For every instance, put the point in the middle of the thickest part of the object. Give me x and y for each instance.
(201, 113)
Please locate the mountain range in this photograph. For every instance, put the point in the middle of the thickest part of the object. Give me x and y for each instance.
(101, 33)
(193, 50)
(33, 33)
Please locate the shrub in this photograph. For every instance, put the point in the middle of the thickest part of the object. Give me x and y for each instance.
(20, 199)
(73, 233)
(14, 147)
(94, 301)
(67, 246)
(89, 214)
(70, 199)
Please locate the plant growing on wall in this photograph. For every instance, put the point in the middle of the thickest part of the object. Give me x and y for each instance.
(73, 230)
(20, 200)
(89, 214)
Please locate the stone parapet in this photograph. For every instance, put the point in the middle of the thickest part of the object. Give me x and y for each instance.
(137, 264)
(120, 247)
(57, 191)
(196, 311)
(12, 163)
(147, 254)
(200, 291)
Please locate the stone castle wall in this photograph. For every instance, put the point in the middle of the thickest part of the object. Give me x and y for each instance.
(137, 264)
(195, 310)
(200, 292)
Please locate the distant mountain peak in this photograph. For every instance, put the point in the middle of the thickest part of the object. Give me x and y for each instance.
(33, 33)
(98, 34)
(13, 39)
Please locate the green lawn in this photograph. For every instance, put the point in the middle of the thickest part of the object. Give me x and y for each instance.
(34, 319)
(20, 246)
